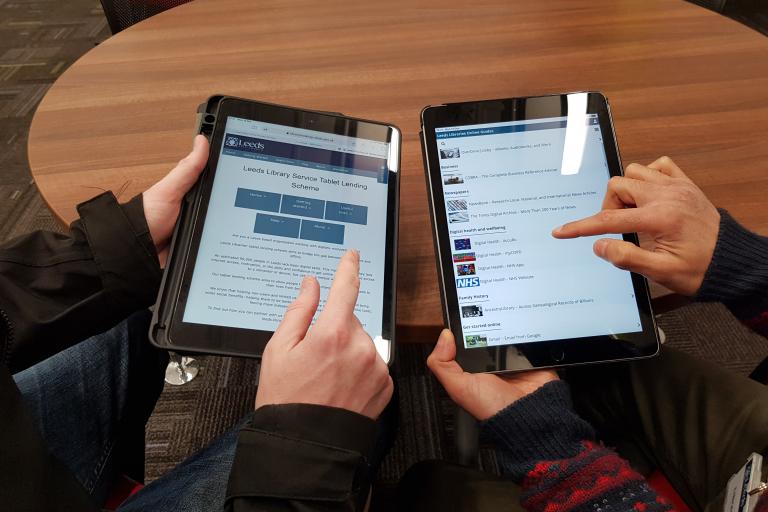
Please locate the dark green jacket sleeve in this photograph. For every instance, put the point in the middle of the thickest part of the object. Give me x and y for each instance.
(56, 290)
(301, 457)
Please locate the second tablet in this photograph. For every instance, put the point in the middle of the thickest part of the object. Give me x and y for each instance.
(285, 193)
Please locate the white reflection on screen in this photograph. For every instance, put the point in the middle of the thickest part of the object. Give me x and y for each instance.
(575, 134)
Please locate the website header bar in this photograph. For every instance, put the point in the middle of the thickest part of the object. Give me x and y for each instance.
(304, 156)
(310, 138)
(508, 128)
(525, 125)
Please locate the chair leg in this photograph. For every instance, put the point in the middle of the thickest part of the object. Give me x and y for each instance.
(181, 369)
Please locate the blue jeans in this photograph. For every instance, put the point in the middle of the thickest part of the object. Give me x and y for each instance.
(91, 402)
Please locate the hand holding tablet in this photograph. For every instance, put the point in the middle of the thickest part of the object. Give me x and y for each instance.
(162, 201)
(482, 395)
(284, 194)
(501, 174)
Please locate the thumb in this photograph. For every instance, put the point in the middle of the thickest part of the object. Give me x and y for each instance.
(445, 348)
(442, 362)
(627, 256)
(185, 174)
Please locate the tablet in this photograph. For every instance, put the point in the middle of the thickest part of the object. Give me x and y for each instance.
(501, 175)
(285, 193)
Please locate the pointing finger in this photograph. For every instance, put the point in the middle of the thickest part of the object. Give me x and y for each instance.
(628, 220)
(344, 290)
(298, 316)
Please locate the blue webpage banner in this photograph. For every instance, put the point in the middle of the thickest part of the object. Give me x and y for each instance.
(304, 156)
(303, 206)
(275, 225)
(495, 130)
(322, 232)
(343, 212)
(257, 200)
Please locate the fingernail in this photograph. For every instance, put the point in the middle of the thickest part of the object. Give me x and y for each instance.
(305, 282)
(442, 343)
(557, 230)
(599, 247)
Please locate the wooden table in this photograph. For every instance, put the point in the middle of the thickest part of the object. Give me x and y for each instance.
(682, 81)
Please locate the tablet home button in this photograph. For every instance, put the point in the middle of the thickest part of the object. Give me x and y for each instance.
(557, 354)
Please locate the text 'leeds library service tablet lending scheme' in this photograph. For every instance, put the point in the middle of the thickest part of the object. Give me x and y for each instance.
(506, 186)
(287, 202)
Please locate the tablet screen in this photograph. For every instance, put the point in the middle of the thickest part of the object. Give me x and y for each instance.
(506, 186)
(286, 203)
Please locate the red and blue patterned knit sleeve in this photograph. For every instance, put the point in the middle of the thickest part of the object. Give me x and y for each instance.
(762, 503)
(552, 452)
(738, 274)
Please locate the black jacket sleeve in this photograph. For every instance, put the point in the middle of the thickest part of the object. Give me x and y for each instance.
(302, 457)
(738, 273)
(56, 290)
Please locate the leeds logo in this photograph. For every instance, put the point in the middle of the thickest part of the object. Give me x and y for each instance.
(232, 141)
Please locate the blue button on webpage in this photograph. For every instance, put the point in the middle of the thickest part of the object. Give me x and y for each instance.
(303, 206)
(257, 200)
(322, 232)
(343, 212)
(275, 225)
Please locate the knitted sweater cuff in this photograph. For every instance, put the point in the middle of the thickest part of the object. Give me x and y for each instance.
(540, 426)
(738, 272)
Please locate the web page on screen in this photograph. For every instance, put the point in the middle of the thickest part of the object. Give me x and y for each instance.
(506, 186)
(286, 203)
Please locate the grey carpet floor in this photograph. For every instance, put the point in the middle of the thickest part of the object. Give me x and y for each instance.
(189, 416)
(40, 39)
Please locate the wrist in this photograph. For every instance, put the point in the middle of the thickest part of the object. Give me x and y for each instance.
(344, 429)
(331, 447)
(540, 426)
(142, 219)
(739, 267)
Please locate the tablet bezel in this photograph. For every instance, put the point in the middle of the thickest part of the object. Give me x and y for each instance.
(540, 354)
(235, 341)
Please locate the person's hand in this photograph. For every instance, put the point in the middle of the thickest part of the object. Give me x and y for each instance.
(335, 363)
(661, 201)
(162, 201)
(482, 395)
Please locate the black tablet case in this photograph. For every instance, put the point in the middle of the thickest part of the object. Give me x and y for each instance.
(169, 286)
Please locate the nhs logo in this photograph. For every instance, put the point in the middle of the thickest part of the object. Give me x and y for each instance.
(467, 282)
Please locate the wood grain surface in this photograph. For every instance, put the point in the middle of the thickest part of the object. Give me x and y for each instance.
(681, 80)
